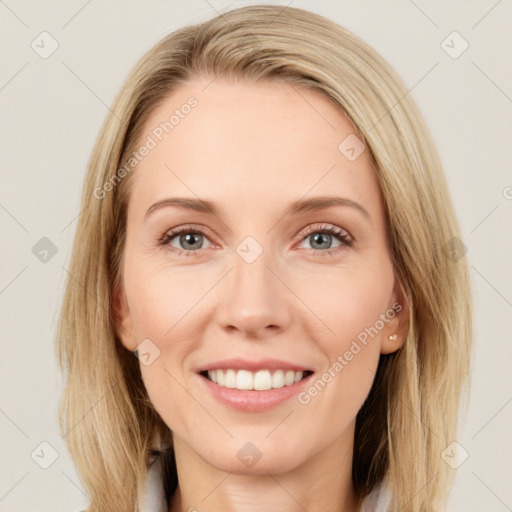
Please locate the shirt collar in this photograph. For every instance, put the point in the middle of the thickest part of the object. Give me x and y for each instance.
(153, 498)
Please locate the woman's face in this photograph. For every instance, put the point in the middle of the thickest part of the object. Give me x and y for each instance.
(272, 266)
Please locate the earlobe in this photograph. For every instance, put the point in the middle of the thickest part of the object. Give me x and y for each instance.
(395, 332)
(122, 318)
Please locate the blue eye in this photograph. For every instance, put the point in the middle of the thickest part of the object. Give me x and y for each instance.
(321, 241)
(321, 238)
(185, 239)
(190, 240)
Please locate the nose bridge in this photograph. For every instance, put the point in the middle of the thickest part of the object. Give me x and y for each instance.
(251, 273)
(253, 299)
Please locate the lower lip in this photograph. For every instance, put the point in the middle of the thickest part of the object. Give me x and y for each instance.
(251, 400)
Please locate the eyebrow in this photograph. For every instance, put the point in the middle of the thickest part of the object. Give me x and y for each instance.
(301, 206)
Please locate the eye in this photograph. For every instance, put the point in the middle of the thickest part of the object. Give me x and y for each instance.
(185, 239)
(322, 239)
(326, 239)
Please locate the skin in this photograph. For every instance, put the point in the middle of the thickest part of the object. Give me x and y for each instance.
(252, 149)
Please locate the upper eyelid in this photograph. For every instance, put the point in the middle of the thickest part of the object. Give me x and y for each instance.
(311, 228)
(320, 226)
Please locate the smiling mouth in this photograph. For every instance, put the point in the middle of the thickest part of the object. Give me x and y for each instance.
(261, 380)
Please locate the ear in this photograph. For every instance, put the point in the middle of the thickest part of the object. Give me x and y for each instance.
(395, 330)
(122, 318)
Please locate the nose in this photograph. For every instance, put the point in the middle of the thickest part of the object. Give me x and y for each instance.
(254, 300)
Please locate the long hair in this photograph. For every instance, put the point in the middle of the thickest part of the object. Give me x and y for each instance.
(411, 413)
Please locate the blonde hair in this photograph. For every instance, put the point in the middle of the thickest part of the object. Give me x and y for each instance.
(411, 413)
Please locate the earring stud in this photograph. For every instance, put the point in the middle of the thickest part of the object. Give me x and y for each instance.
(393, 337)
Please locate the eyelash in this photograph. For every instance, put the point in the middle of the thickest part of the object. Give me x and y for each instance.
(343, 236)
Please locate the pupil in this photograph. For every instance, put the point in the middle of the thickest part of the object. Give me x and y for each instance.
(321, 238)
(189, 239)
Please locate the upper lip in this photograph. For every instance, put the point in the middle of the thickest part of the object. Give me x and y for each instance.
(253, 366)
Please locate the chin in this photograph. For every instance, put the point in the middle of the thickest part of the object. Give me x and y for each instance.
(254, 458)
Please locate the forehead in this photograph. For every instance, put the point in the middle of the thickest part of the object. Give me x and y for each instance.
(247, 143)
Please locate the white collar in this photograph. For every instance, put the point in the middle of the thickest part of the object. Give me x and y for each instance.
(153, 499)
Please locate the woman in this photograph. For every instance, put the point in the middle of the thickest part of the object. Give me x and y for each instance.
(267, 307)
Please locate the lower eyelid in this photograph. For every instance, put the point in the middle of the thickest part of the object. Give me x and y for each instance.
(166, 240)
(342, 236)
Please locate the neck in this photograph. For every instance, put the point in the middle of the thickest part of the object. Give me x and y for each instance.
(321, 484)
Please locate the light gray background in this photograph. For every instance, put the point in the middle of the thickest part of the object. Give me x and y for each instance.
(52, 110)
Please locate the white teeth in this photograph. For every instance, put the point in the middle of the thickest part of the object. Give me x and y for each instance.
(289, 378)
(244, 380)
(230, 379)
(260, 381)
(278, 379)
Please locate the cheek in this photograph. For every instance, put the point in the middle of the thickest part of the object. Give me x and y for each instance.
(354, 306)
(349, 302)
(166, 308)
(163, 300)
